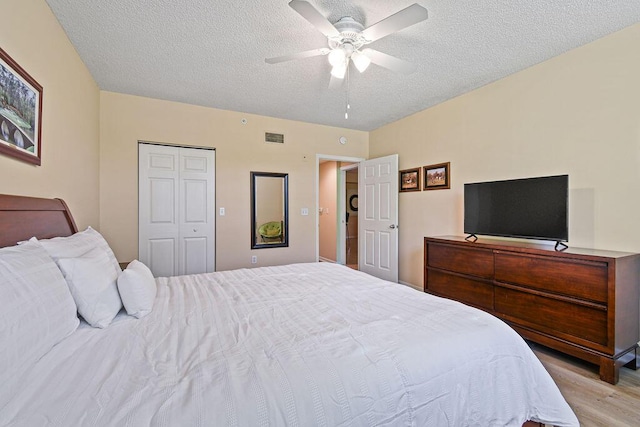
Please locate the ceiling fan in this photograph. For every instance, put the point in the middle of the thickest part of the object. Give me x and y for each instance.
(347, 37)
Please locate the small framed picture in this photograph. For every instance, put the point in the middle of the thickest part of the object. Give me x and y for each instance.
(436, 177)
(410, 180)
(20, 112)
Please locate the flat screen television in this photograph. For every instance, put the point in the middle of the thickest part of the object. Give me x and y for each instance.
(530, 208)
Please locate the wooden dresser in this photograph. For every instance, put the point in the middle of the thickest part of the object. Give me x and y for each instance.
(582, 302)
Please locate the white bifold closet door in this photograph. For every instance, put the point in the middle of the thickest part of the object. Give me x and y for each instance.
(176, 209)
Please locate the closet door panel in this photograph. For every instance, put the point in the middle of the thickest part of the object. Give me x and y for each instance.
(176, 216)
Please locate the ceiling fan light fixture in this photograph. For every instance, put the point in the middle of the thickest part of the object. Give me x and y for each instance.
(339, 70)
(337, 57)
(360, 60)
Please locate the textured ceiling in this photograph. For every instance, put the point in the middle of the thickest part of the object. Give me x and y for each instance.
(211, 52)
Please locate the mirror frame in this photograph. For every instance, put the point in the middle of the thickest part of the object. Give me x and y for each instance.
(255, 244)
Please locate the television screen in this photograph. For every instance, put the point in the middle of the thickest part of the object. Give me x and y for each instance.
(532, 208)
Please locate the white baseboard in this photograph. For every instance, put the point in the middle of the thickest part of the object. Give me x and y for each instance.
(411, 285)
(323, 259)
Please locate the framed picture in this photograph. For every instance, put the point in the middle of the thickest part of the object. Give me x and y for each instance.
(436, 177)
(20, 112)
(410, 180)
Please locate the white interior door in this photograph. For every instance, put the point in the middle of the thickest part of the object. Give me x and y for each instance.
(158, 229)
(378, 217)
(176, 219)
(196, 200)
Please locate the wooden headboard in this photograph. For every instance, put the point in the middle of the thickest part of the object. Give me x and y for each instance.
(24, 217)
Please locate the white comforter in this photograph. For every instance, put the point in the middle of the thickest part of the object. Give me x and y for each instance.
(299, 345)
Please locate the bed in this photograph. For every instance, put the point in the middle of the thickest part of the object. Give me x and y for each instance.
(301, 344)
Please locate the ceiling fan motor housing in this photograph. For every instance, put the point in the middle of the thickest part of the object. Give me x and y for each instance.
(350, 33)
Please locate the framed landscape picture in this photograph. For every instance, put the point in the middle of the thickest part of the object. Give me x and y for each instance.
(20, 112)
(436, 177)
(410, 180)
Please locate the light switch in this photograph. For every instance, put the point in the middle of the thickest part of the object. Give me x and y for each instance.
(221, 211)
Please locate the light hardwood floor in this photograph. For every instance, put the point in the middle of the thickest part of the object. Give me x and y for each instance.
(595, 403)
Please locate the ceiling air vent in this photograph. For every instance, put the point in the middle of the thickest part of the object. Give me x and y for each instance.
(276, 138)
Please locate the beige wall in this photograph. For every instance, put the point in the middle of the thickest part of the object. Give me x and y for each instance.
(578, 113)
(31, 35)
(125, 119)
(328, 200)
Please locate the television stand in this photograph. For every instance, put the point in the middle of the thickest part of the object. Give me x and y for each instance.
(471, 238)
(583, 302)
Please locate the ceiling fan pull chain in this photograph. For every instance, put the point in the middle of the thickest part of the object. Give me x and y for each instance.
(348, 106)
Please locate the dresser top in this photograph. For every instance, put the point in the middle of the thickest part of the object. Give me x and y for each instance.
(530, 246)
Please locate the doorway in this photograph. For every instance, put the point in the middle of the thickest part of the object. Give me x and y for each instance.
(349, 176)
(331, 208)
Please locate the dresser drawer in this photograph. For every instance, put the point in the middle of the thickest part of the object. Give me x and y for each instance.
(478, 263)
(549, 315)
(466, 290)
(580, 279)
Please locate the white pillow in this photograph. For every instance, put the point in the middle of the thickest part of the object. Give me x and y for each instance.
(137, 289)
(36, 309)
(77, 245)
(92, 281)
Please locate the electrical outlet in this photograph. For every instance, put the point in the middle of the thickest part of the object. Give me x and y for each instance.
(254, 259)
(304, 211)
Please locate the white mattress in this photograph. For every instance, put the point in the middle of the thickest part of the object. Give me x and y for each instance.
(300, 345)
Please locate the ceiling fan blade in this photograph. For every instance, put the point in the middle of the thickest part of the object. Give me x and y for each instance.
(390, 62)
(312, 15)
(299, 55)
(396, 22)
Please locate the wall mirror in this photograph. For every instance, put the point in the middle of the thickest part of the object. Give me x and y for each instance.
(269, 210)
